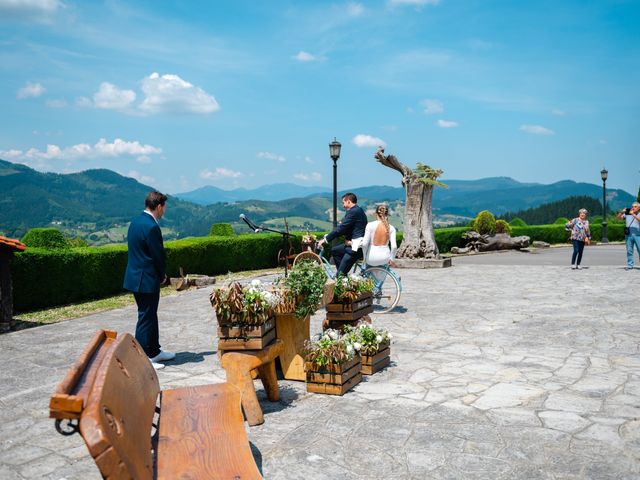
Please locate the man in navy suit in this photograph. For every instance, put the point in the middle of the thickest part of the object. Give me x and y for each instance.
(352, 227)
(145, 273)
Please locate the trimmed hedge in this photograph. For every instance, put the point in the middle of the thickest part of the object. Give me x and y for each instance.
(222, 230)
(50, 238)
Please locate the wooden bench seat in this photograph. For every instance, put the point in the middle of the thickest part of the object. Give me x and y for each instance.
(113, 393)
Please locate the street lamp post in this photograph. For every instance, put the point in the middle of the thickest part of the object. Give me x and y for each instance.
(334, 152)
(604, 174)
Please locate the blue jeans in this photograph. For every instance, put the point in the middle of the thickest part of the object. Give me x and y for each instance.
(578, 248)
(632, 240)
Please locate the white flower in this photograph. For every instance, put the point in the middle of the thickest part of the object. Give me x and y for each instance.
(362, 326)
(357, 346)
(325, 337)
(389, 336)
(378, 338)
(256, 283)
(332, 334)
(349, 349)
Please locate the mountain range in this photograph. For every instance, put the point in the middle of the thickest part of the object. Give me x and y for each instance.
(98, 204)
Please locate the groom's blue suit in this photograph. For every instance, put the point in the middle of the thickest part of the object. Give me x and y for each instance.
(145, 272)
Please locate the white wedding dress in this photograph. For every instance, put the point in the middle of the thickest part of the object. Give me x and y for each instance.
(378, 254)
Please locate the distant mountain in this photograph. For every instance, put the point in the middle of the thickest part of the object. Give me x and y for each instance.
(275, 192)
(98, 204)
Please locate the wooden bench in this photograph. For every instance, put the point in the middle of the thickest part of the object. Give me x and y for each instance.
(239, 365)
(112, 396)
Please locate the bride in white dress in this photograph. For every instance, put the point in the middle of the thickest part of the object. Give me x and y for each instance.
(377, 237)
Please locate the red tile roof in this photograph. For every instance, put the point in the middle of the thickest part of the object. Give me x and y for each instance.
(12, 244)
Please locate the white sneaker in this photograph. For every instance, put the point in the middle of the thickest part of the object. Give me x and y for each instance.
(163, 356)
(579, 267)
(573, 267)
(157, 366)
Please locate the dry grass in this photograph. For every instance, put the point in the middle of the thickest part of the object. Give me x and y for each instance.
(69, 312)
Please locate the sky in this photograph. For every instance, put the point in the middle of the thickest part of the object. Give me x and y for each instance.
(243, 93)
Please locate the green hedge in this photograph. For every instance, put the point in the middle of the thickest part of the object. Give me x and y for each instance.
(222, 230)
(50, 238)
(45, 278)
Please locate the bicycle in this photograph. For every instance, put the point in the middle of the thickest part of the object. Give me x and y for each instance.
(387, 283)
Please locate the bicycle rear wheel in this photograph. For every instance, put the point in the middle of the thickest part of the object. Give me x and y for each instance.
(386, 293)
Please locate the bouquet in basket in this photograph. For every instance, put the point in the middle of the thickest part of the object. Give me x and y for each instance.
(303, 289)
(249, 305)
(349, 287)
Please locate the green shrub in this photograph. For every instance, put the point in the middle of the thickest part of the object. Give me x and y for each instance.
(561, 221)
(77, 242)
(518, 222)
(49, 238)
(485, 223)
(503, 227)
(221, 230)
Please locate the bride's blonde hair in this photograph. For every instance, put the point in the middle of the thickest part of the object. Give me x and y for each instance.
(382, 212)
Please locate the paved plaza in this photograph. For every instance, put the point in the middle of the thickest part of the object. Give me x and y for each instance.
(505, 366)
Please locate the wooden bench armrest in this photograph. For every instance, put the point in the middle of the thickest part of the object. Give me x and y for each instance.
(201, 435)
(70, 396)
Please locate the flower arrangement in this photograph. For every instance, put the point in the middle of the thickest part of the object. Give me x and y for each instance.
(366, 338)
(329, 348)
(349, 287)
(304, 287)
(250, 305)
(308, 239)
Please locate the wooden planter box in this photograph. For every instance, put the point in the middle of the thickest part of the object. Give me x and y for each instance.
(349, 313)
(233, 336)
(374, 363)
(333, 379)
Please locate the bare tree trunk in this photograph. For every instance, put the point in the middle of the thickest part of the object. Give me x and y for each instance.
(418, 239)
(6, 295)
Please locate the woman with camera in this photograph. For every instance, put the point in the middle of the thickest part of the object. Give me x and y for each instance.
(631, 218)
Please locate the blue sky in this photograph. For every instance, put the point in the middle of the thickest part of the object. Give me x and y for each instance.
(181, 94)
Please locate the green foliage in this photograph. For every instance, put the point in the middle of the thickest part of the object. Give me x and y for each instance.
(429, 176)
(367, 337)
(485, 223)
(221, 230)
(547, 213)
(49, 238)
(77, 242)
(561, 221)
(502, 227)
(305, 285)
(329, 349)
(517, 222)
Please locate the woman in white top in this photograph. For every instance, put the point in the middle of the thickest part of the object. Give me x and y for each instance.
(377, 237)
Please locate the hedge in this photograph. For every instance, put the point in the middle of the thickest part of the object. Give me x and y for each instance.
(46, 278)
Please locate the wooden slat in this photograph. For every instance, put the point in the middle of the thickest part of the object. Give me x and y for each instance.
(202, 436)
(227, 331)
(350, 316)
(71, 393)
(329, 389)
(358, 303)
(373, 359)
(248, 344)
(332, 367)
(334, 378)
(376, 367)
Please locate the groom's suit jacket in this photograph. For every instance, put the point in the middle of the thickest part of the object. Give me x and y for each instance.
(352, 227)
(146, 263)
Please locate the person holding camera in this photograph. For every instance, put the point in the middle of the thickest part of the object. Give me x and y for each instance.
(580, 235)
(631, 218)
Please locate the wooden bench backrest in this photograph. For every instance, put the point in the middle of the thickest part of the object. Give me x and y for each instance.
(117, 418)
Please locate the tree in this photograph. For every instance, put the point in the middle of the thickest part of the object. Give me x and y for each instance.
(418, 239)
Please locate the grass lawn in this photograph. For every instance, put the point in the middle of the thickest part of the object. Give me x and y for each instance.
(69, 312)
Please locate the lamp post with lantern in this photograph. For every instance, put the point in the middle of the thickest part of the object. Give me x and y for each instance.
(604, 174)
(334, 152)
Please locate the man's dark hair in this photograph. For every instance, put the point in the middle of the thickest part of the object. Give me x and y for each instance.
(154, 199)
(351, 197)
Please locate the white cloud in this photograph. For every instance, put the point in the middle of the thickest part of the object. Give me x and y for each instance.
(83, 102)
(56, 103)
(102, 149)
(220, 172)
(38, 10)
(141, 178)
(31, 90)
(415, 3)
(306, 177)
(111, 97)
(144, 159)
(361, 140)
(272, 156)
(536, 130)
(308, 159)
(303, 56)
(432, 106)
(446, 124)
(171, 94)
(557, 112)
(355, 9)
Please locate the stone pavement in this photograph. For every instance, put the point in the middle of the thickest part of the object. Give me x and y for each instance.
(513, 371)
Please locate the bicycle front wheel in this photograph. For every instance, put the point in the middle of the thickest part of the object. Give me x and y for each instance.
(387, 289)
